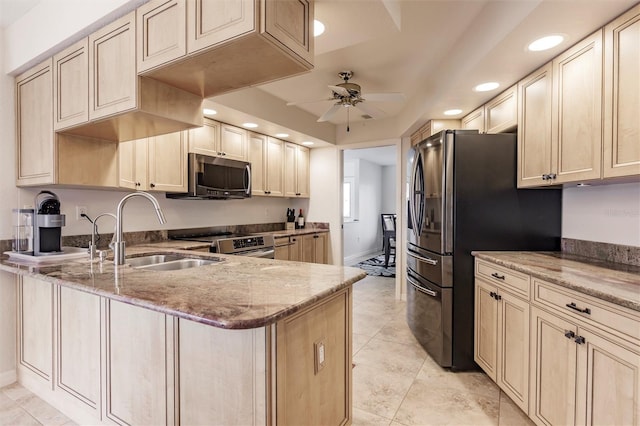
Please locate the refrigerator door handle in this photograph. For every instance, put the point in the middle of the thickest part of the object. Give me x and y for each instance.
(423, 259)
(412, 200)
(422, 289)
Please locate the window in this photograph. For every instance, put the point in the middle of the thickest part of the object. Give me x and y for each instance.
(349, 199)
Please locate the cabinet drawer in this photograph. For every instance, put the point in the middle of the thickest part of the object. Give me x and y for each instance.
(597, 312)
(514, 281)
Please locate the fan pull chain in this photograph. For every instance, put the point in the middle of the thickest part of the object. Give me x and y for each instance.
(347, 119)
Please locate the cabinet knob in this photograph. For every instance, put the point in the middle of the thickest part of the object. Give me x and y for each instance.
(569, 334)
(297, 193)
(152, 185)
(552, 176)
(580, 340)
(137, 183)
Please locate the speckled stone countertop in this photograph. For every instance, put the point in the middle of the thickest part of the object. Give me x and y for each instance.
(237, 293)
(294, 232)
(615, 283)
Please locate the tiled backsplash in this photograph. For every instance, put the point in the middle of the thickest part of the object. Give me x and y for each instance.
(615, 253)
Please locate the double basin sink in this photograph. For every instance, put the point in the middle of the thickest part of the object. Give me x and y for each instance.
(169, 262)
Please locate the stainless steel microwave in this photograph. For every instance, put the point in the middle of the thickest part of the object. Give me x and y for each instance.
(215, 178)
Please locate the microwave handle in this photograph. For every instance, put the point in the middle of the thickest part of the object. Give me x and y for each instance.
(247, 176)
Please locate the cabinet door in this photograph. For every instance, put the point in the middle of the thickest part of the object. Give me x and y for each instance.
(416, 138)
(258, 160)
(288, 23)
(282, 248)
(133, 164)
(112, 65)
(302, 172)
(78, 332)
(622, 95)
(534, 127)
(211, 23)
(486, 328)
(139, 365)
(474, 120)
(71, 86)
(36, 326)
(290, 189)
(308, 248)
(609, 380)
(168, 162)
(34, 127)
(274, 173)
(577, 116)
(513, 348)
(295, 249)
(162, 32)
(205, 140)
(233, 142)
(553, 388)
(501, 113)
(321, 249)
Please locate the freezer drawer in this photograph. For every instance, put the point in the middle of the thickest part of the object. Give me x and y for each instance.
(434, 267)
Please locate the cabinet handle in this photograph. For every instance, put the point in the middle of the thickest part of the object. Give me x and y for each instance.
(297, 193)
(573, 306)
(552, 176)
(498, 297)
(495, 275)
(545, 177)
(580, 340)
(137, 183)
(316, 236)
(569, 334)
(492, 294)
(152, 185)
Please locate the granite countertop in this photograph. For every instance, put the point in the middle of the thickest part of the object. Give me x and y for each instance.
(294, 232)
(238, 293)
(613, 282)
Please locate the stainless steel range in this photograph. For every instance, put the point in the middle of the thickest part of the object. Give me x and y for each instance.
(260, 245)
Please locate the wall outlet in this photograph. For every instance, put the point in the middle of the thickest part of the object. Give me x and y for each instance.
(80, 210)
(319, 355)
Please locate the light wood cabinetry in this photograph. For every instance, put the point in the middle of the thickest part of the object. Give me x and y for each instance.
(501, 112)
(314, 248)
(313, 360)
(233, 142)
(157, 163)
(296, 171)
(432, 127)
(266, 155)
(273, 36)
(71, 85)
(8, 328)
(621, 125)
(161, 32)
(474, 120)
(290, 248)
(139, 362)
(219, 140)
(560, 118)
(501, 344)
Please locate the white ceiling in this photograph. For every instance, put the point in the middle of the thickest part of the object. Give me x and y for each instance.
(382, 156)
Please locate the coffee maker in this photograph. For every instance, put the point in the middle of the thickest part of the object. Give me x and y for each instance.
(38, 231)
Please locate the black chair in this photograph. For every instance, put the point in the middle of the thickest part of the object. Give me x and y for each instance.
(388, 237)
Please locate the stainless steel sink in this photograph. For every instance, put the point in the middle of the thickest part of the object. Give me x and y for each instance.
(168, 262)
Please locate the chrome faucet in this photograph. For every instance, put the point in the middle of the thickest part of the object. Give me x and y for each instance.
(118, 247)
(94, 231)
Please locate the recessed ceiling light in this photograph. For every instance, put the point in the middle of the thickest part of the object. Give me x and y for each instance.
(429, 144)
(209, 111)
(485, 87)
(250, 125)
(307, 143)
(282, 135)
(318, 28)
(545, 43)
(452, 112)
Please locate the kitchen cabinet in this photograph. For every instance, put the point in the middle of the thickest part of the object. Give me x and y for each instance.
(161, 27)
(288, 248)
(8, 328)
(501, 112)
(274, 38)
(139, 365)
(432, 127)
(157, 163)
(233, 142)
(621, 127)
(219, 140)
(474, 120)
(266, 155)
(71, 85)
(296, 171)
(314, 248)
(501, 345)
(560, 118)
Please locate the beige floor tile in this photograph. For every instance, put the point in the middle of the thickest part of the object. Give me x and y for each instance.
(511, 414)
(17, 392)
(44, 412)
(391, 357)
(398, 331)
(368, 324)
(16, 416)
(6, 402)
(364, 418)
(358, 342)
(378, 392)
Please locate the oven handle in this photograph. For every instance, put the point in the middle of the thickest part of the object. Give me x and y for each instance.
(269, 254)
(422, 289)
(423, 259)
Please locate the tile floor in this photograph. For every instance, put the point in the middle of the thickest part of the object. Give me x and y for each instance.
(395, 382)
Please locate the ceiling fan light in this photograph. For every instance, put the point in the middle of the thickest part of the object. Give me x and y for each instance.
(545, 43)
(318, 28)
(486, 87)
(452, 112)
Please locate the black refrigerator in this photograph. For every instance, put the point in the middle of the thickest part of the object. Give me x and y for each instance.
(462, 197)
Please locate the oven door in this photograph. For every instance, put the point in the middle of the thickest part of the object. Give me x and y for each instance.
(429, 316)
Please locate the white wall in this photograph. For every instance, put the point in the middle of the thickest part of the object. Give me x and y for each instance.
(607, 213)
(389, 189)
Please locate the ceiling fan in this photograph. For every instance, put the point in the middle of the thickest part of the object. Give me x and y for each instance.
(350, 95)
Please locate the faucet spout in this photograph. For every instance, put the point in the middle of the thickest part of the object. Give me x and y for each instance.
(119, 246)
(94, 231)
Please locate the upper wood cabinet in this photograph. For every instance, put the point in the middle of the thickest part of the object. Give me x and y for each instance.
(501, 112)
(266, 155)
(233, 142)
(219, 140)
(622, 96)
(161, 32)
(432, 127)
(296, 171)
(71, 86)
(256, 40)
(474, 120)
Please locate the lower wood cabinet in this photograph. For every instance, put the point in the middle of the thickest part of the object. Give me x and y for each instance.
(35, 328)
(314, 248)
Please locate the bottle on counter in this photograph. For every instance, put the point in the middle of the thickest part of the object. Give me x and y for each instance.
(300, 220)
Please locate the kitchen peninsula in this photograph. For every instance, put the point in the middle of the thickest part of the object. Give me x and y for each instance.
(238, 341)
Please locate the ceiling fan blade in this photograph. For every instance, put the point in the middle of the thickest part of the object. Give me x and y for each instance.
(340, 90)
(384, 97)
(329, 113)
(310, 101)
(370, 110)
